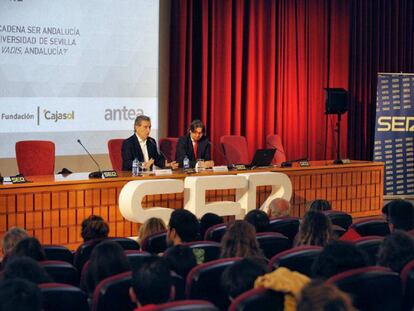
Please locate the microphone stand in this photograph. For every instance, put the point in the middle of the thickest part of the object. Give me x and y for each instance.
(97, 174)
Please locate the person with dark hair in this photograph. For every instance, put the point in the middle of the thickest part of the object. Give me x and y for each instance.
(29, 247)
(180, 259)
(152, 283)
(107, 259)
(240, 241)
(26, 268)
(94, 227)
(396, 251)
(19, 295)
(195, 145)
(258, 219)
(336, 257)
(240, 276)
(208, 220)
(321, 296)
(320, 205)
(315, 229)
(182, 227)
(142, 147)
(400, 215)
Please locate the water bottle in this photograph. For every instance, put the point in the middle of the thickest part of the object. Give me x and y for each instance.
(186, 163)
(135, 167)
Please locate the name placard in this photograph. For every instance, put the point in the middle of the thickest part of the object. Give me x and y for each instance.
(18, 179)
(220, 168)
(109, 174)
(166, 171)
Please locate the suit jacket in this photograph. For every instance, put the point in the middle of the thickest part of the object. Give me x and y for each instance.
(131, 150)
(185, 147)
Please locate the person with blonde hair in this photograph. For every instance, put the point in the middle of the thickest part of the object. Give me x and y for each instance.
(151, 226)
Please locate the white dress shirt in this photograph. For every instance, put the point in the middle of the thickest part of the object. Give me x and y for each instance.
(143, 145)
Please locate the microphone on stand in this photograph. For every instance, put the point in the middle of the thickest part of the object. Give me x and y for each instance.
(97, 174)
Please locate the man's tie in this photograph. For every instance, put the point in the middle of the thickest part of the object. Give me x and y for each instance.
(195, 146)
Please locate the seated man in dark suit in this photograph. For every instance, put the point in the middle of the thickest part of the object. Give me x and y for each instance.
(142, 147)
(195, 146)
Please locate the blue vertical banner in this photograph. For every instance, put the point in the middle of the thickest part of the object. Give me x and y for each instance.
(394, 131)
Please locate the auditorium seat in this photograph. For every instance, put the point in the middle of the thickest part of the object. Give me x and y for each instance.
(235, 149)
(288, 226)
(205, 251)
(371, 226)
(274, 141)
(372, 288)
(136, 258)
(184, 305)
(298, 259)
(203, 282)
(126, 243)
(370, 245)
(35, 157)
(272, 243)
(168, 146)
(155, 243)
(339, 218)
(258, 299)
(63, 297)
(215, 233)
(61, 271)
(58, 252)
(338, 231)
(115, 153)
(407, 279)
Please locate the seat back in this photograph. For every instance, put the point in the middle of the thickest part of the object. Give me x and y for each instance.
(115, 153)
(63, 297)
(155, 243)
(215, 233)
(83, 253)
(113, 293)
(272, 243)
(205, 251)
(339, 218)
(136, 258)
(235, 149)
(407, 279)
(338, 231)
(288, 226)
(61, 271)
(58, 252)
(371, 226)
(370, 245)
(126, 243)
(203, 282)
(298, 259)
(168, 147)
(199, 305)
(274, 141)
(372, 288)
(35, 157)
(258, 299)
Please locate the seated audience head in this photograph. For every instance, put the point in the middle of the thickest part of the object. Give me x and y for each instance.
(19, 295)
(182, 227)
(152, 283)
(240, 241)
(258, 219)
(208, 220)
(180, 259)
(396, 250)
(240, 276)
(320, 205)
(25, 268)
(29, 247)
(13, 236)
(151, 226)
(94, 227)
(315, 229)
(279, 207)
(318, 295)
(400, 215)
(107, 259)
(336, 257)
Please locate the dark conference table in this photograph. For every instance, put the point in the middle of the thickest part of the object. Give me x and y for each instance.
(52, 207)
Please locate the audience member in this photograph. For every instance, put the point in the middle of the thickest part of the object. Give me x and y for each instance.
(29, 247)
(151, 226)
(19, 295)
(320, 205)
(240, 241)
(182, 227)
(26, 268)
(279, 207)
(94, 227)
(258, 219)
(315, 229)
(396, 250)
(151, 283)
(10, 239)
(400, 215)
(240, 276)
(336, 257)
(180, 259)
(321, 296)
(208, 220)
(107, 259)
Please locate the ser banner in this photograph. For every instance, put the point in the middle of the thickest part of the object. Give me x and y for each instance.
(394, 131)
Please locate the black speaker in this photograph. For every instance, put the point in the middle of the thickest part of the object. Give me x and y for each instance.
(336, 101)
